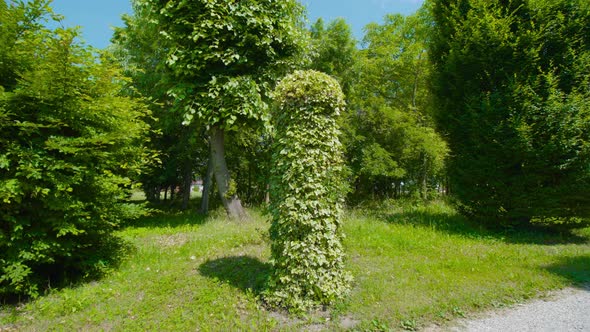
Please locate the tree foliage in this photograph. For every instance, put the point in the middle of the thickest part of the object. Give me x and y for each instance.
(333, 51)
(391, 145)
(513, 96)
(307, 193)
(224, 53)
(225, 56)
(142, 51)
(69, 146)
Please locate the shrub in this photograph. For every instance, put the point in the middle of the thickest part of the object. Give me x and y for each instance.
(69, 145)
(512, 85)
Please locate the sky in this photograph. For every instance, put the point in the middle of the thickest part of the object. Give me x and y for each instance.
(97, 17)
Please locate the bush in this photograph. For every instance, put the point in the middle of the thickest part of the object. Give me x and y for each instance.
(307, 192)
(69, 145)
(513, 93)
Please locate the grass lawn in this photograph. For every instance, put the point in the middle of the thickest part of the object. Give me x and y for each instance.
(413, 266)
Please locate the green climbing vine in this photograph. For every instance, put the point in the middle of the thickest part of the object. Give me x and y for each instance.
(307, 192)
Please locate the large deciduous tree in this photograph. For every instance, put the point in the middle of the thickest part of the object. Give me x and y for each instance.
(225, 54)
(70, 145)
(512, 84)
(392, 147)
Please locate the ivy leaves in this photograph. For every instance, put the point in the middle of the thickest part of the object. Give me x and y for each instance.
(307, 193)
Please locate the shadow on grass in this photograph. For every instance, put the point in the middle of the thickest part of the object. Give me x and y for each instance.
(575, 269)
(87, 264)
(455, 223)
(246, 273)
(171, 219)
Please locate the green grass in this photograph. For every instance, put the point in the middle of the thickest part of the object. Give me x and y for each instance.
(413, 266)
(419, 265)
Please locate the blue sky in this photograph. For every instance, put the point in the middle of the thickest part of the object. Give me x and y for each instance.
(96, 17)
(358, 13)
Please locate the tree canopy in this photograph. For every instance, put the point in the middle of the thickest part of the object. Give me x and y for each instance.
(142, 51)
(225, 57)
(391, 146)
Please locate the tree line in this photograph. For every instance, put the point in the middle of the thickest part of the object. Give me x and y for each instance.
(392, 147)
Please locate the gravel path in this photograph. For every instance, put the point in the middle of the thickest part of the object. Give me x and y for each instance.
(564, 311)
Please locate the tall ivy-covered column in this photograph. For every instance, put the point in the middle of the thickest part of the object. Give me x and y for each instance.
(307, 191)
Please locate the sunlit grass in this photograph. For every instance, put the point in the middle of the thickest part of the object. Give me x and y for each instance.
(426, 264)
(413, 266)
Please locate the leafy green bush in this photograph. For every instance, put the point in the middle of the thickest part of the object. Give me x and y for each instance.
(512, 83)
(69, 145)
(307, 191)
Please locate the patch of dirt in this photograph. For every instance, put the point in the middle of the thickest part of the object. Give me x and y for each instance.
(348, 322)
(172, 240)
(315, 321)
(254, 250)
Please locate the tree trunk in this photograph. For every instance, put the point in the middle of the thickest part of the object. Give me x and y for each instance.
(249, 194)
(424, 177)
(230, 200)
(207, 180)
(416, 79)
(187, 182)
(158, 193)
